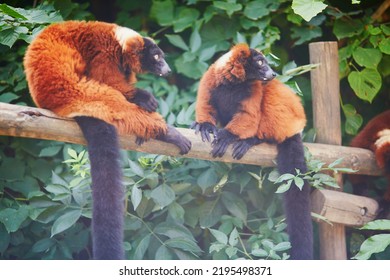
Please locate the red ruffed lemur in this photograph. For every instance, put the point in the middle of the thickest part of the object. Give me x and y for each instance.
(239, 93)
(375, 136)
(86, 70)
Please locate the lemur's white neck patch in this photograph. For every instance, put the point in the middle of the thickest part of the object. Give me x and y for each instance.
(221, 62)
(122, 34)
(384, 138)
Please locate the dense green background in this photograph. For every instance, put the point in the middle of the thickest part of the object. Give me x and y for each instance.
(181, 208)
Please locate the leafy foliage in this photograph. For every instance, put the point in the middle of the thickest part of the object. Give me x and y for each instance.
(376, 243)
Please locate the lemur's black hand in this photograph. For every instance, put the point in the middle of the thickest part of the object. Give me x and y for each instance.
(241, 146)
(221, 142)
(145, 99)
(205, 129)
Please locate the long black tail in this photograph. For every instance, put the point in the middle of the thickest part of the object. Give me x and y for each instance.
(107, 189)
(296, 202)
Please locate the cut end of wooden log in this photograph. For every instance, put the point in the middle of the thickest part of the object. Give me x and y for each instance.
(343, 208)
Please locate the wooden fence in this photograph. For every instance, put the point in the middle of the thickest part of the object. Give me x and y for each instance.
(341, 209)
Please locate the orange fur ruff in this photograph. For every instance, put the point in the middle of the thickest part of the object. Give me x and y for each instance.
(77, 69)
(273, 111)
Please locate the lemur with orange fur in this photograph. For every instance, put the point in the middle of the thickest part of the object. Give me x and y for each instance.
(239, 93)
(86, 70)
(375, 136)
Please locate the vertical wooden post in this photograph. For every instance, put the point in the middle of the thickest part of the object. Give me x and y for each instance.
(326, 113)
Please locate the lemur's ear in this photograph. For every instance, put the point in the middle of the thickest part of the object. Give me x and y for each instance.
(240, 54)
(238, 70)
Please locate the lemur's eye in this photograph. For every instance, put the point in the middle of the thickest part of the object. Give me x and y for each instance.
(156, 57)
(260, 62)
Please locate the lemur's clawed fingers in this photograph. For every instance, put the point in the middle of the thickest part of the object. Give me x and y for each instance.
(240, 147)
(222, 140)
(139, 140)
(205, 130)
(175, 137)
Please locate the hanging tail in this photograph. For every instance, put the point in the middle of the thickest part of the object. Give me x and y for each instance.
(296, 202)
(107, 189)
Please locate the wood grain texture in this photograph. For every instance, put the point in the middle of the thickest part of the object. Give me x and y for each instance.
(344, 208)
(327, 123)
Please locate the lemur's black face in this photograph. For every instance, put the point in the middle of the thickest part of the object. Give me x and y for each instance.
(153, 59)
(257, 67)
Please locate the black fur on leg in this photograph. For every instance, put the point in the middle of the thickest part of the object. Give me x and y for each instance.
(174, 137)
(296, 202)
(107, 188)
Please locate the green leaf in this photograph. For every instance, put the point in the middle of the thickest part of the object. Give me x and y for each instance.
(12, 219)
(142, 247)
(8, 10)
(207, 53)
(5, 239)
(136, 197)
(72, 153)
(308, 8)
(366, 83)
(347, 28)
(261, 253)
(177, 41)
(353, 120)
(283, 246)
(234, 237)
(162, 11)
(183, 244)
(299, 182)
(219, 236)
(377, 225)
(256, 40)
(163, 253)
(207, 179)
(210, 213)
(285, 177)
(163, 195)
(195, 41)
(305, 34)
(258, 9)
(384, 45)
(176, 211)
(136, 168)
(231, 251)
(50, 151)
(369, 58)
(65, 221)
(230, 8)
(235, 205)
(12, 169)
(336, 162)
(57, 180)
(8, 97)
(43, 245)
(372, 245)
(185, 19)
(284, 187)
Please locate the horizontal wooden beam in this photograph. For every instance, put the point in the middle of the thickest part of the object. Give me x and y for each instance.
(22, 121)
